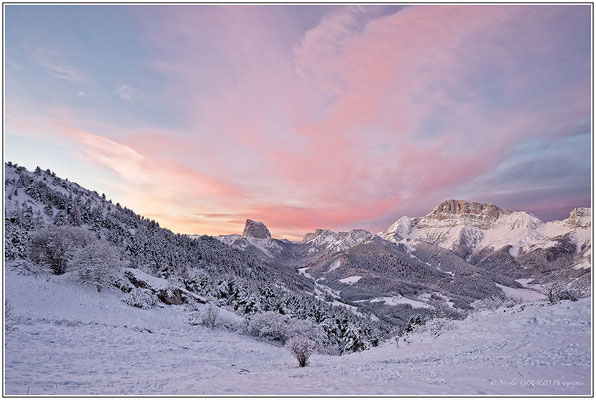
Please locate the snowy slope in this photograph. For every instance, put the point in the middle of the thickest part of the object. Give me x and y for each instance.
(73, 340)
(325, 240)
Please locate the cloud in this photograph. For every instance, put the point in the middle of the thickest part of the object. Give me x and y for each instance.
(353, 119)
(56, 64)
(336, 132)
(126, 92)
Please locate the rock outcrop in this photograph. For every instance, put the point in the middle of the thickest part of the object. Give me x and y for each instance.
(580, 218)
(452, 207)
(255, 229)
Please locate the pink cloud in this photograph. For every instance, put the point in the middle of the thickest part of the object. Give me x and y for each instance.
(361, 116)
(333, 130)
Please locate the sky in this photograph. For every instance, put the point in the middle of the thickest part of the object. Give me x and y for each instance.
(303, 116)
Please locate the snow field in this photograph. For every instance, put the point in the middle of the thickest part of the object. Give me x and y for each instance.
(73, 340)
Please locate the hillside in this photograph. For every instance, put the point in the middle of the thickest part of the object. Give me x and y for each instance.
(201, 266)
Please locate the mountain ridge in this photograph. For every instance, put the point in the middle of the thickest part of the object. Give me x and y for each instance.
(420, 266)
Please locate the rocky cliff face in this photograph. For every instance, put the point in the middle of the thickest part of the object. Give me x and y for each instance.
(450, 208)
(255, 229)
(580, 218)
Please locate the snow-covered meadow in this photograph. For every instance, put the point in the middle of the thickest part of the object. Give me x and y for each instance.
(72, 340)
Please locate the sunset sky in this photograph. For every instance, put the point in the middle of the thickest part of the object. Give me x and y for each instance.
(303, 117)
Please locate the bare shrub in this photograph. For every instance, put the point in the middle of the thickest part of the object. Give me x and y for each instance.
(568, 294)
(302, 348)
(142, 298)
(557, 291)
(209, 318)
(10, 318)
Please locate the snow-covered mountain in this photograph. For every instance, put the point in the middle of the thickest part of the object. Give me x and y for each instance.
(513, 243)
(256, 239)
(350, 291)
(325, 240)
(460, 253)
(469, 228)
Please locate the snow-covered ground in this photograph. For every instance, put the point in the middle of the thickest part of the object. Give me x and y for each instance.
(73, 340)
(397, 300)
(350, 280)
(523, 294)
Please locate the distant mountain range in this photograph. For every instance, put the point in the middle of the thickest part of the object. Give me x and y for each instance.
(458, 253)
(471, 230)
(440, 263)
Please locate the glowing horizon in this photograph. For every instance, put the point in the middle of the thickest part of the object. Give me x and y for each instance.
(304, 117)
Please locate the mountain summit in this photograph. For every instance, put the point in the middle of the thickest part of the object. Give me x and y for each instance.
(256, 229)
(452, 207)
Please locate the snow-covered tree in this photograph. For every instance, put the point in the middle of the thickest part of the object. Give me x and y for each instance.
(97, 263)
(302, 348)
(270, 325)
(305, 328)
(55, 246)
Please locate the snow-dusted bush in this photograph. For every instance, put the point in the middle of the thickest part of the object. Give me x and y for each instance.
(581, 288)
(302, 348)
(97, 263)
(231, 322)
(274, 326)
(550, 291)
(269, 324)
(557, 291)
(56, 246)
(438, 326)
(496, 301)
(209, 318)
(142, 298)
(413, 323)
(568, 294)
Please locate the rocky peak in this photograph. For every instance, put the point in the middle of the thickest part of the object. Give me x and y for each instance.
(312, 235)
(580, 217)
(255, 229)
(453, 207)
(360, 233)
